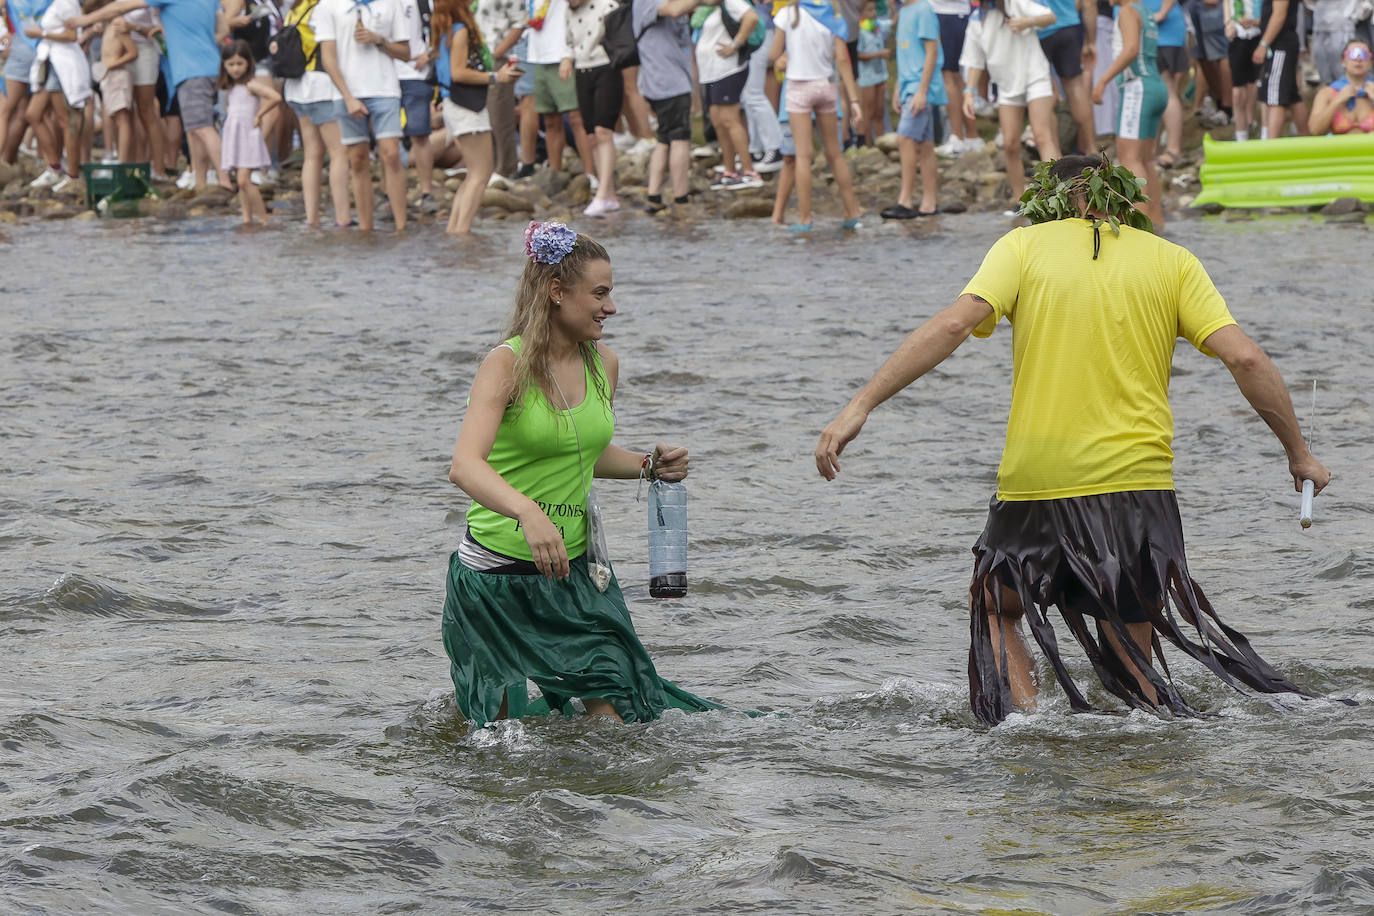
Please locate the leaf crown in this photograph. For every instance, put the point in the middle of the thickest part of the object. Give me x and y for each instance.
(1099, 192)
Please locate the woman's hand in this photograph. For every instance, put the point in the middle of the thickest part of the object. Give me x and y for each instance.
(546, 543)
(1019, 23)
(1098, 90)
(670, 462)
(34, 31)
(565, 69)
(856, 113)
(969, 106)
(508, 73)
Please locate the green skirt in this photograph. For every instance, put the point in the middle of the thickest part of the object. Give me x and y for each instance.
(563, 634)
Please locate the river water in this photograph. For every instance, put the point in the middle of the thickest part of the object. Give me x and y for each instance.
(225, 518)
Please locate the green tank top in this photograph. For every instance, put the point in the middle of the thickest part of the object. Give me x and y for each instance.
(536, 451)
(1146, 63)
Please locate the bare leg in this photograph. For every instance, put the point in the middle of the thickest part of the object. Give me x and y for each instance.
(906, 149)
(394, 178)
(1045, 126)
(584, 142)
(312, 168)
(1173, 117)
(801, 136)
(423, 157)
(787, 178)
(930, 176)
(680, 165)
(1010, 117)
(12, 119)
(529, 129)
(636, 107)
(48, 148)
(479, 154)
(1017, 659)
(1142, 634)
(604, 153)
(658, 164)
(599, 707)
(553, 140)
(124, 129)
(1139, 157)
(1081, 105)
(338, 169)
(208, 138)
(362, 184)
(954, 88)
(839, 166)
(145, 105)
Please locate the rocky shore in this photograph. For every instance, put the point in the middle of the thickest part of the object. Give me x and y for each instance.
(975, 182)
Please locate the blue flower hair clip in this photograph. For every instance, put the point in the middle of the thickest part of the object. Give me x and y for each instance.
(549, 242)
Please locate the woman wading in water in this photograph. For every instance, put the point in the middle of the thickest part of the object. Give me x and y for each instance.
(521, 600)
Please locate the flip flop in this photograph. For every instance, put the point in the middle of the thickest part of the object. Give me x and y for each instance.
(1166, 160)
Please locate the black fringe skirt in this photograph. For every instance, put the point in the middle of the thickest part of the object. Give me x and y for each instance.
(1117, 558)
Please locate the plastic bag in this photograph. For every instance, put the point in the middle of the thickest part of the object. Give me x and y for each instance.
(598, 558)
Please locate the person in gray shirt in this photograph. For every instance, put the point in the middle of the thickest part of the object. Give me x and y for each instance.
(665, 80)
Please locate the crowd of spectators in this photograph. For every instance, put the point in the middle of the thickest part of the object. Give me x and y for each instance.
(498, 88)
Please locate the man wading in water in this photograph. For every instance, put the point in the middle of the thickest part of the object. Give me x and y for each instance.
(1085, 516)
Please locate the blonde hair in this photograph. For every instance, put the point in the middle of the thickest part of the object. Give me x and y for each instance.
(532, 322)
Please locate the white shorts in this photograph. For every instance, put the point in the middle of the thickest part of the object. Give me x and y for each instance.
(1038, 88)
(145, 66)
(460, 121)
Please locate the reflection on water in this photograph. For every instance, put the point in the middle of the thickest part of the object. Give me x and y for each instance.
(224, 521)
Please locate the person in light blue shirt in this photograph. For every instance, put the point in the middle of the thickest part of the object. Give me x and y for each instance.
(191, 29)
(919, 99)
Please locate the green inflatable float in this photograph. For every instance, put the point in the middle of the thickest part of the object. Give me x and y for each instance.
(1289, 172)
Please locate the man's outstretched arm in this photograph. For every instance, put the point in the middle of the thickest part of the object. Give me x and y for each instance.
(923, 350)
(1259, 380)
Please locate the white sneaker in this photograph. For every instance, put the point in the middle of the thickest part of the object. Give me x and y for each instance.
(66, 182)
(624, 141)
(595, 182)
(186, 180)
(950, 149)
(705, 151)
(47, 179)
(498, 181)
(456, 171)
(972, 144)
(643, 145)
(212, 177)
(256, 177)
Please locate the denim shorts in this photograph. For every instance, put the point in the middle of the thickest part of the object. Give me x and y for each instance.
(20, 61)
(385, 114)
(788, 146)
(923, 127)
(317, 113)
(415, 98)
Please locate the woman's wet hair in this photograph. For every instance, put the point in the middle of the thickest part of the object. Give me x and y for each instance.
(532, 320)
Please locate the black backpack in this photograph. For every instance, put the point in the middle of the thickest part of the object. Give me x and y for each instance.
(620, 41)
(289, 60)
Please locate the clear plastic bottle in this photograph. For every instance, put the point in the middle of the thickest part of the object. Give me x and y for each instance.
(667, 539)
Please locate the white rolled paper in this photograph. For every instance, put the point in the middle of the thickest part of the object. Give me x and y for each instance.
(1305, 515)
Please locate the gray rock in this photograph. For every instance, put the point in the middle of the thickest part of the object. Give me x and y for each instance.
(1342, 206)
(749, 208)
(504, 200)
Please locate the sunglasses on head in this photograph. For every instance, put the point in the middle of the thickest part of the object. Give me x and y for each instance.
(1357, 54)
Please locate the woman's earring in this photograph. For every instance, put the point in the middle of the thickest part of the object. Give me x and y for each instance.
(558, 303)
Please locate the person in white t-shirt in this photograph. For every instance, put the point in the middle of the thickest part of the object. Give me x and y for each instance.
(723, 70)
(1002, 41)
(360, 42)
(554, 96)
(60, 77)
(813, 39)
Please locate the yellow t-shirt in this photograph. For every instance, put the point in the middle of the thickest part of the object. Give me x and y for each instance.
(1092, 349)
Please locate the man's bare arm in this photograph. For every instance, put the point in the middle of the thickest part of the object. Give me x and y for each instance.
(1259, 380)
(923, 350)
